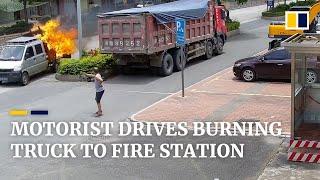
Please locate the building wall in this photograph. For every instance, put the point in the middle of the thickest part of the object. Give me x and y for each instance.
(6, 17)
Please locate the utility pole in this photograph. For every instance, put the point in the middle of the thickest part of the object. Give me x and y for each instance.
(79, 28)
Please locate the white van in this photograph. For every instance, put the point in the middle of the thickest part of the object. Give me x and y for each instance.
(22, 58)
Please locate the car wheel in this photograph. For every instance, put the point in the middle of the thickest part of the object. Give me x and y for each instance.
(219, 46)
(167, 65)
(311, 77)
(209, 50)
(25, 79)
(179, 59)
(248, 75)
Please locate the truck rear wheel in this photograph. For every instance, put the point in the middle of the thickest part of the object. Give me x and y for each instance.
(219, 46)
(179, 59)
(209, 50)
(167, 65)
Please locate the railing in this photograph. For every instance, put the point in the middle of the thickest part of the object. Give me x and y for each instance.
(232, 4)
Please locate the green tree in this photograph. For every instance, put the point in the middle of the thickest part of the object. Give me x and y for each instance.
(25, 2)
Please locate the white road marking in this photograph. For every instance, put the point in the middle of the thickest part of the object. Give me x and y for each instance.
(253, 19)
(203, 80)
(262, 27)
(3, 90)
(222, 73)
(147, 92)
(242, 94)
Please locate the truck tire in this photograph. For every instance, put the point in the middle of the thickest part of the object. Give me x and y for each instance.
(209, 50)
(179, 59)
(219, 46)
(25, 79)
(166, 68)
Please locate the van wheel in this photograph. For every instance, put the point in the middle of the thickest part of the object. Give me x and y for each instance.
(219, 46)
(167, 65)
(25, 79)
(179, 59)
(209, 50)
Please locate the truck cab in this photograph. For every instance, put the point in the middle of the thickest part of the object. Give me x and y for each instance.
(22, 58)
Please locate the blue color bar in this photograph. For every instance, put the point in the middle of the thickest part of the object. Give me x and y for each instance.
(39, 112)
(302, 20)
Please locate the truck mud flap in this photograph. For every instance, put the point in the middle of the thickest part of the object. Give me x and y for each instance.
(156, 61)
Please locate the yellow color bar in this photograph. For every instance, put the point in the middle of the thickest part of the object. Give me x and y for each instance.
(292, 20)
(17, 112)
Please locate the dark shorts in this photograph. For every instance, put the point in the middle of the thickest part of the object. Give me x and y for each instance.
(99, 96)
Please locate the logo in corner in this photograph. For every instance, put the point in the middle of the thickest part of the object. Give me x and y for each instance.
(297, 20)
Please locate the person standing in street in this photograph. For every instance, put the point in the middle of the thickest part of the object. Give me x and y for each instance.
(98, 83)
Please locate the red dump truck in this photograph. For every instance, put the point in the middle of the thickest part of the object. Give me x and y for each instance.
(147, 36)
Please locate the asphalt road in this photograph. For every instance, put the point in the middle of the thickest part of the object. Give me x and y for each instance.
(125, 95)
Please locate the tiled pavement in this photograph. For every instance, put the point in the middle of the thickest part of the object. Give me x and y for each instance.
(222, 97)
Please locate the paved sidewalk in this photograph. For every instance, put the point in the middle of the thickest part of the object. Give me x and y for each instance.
(248, 14)
(280, 168)
(222, 97)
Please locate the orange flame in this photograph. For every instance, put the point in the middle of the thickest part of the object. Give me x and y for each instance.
(57, 39)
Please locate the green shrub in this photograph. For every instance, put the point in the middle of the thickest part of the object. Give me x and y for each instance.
(233, 25)
(273, 14)
(86, 64)
(280, 9)
(303, 3)
(19, 27)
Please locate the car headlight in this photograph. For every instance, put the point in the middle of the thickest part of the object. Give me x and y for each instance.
(237, 64)
(17, 68)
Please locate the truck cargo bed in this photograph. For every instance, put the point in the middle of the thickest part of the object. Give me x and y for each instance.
(142, 32)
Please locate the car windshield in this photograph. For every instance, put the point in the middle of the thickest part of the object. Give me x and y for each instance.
(11, 53)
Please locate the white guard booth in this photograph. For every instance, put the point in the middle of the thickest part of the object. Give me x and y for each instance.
(305, 97)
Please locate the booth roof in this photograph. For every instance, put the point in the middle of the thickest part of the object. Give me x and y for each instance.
(168, 12)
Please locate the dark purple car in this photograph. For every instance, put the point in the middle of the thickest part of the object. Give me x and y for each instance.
(272, 64)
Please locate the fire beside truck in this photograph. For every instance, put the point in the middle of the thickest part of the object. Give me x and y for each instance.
(146, 36)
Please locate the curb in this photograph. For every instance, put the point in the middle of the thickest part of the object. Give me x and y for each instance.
(82, 78)
(71, 78)
(275, 18)
(132, 117)
(233, 33)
